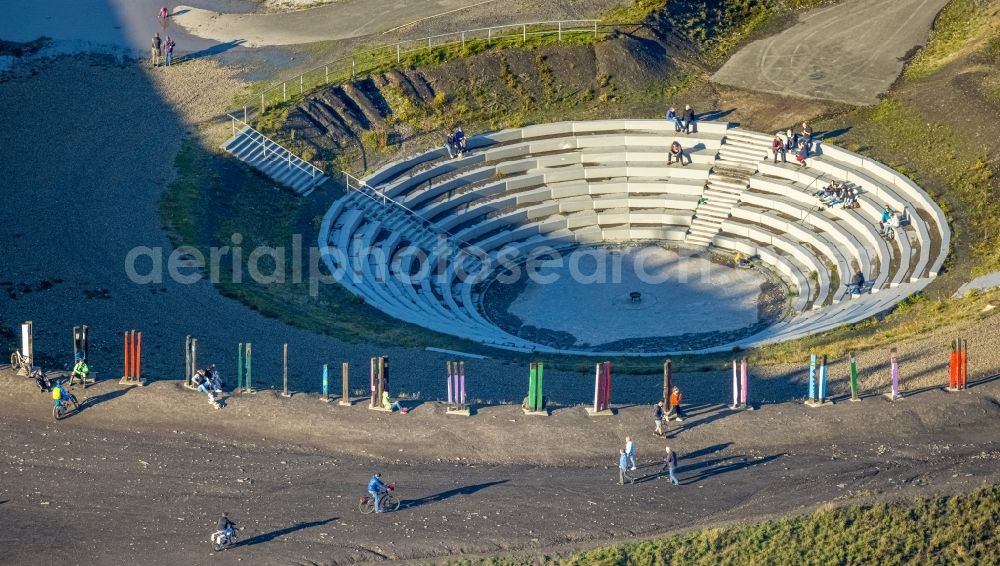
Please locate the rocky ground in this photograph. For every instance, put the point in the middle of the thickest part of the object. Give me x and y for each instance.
(140, 474)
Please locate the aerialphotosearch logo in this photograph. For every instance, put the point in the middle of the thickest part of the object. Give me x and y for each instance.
(444, 264)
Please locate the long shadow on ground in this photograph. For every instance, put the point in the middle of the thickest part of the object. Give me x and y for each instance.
(467, 490)
(266, 537)
(103, 398)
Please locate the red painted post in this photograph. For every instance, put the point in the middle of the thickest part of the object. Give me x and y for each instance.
(125, 370)
(953, 368)
(138, 355)
(744, 371)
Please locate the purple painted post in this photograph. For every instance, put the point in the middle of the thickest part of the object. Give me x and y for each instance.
(894, 363)
(461, 382)
(736, 394)
(743, 382)
(451, 399)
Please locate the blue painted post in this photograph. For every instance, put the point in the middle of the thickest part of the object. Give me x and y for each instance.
(326, 382)
(812, 377)
(894, 363)
(822, 381)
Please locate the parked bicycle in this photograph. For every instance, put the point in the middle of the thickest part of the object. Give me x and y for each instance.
(20, 362)
(388, 501)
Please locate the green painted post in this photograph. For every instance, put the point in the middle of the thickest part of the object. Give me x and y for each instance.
(239, 367)
(532, 385)
(249, 357)
(854, 378)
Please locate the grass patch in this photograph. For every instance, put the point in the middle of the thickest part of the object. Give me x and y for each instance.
(212, 199)
(957, 529)
(956, 26)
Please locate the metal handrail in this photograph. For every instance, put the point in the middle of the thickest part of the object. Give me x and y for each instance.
(291, 158)
(374, 194)
(386, 53)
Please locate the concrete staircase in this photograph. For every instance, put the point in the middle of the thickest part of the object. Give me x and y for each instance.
(736, 162)
(270, 158)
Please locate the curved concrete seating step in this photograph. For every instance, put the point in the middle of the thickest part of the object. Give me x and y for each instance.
(801, 233)
(864, 229)
(799, 282)
(574, 183)
(800, 255)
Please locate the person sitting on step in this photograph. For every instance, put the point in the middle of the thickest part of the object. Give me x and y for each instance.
(778, 148)
(676, 153)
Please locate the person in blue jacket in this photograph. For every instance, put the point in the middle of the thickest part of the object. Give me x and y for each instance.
(377, 488)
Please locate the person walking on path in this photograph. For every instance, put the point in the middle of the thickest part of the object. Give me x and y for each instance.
(170, 50)
(623, 468)
(675, 405)
(669, 463)
(658, 418)
(155, 49)
(630, 450)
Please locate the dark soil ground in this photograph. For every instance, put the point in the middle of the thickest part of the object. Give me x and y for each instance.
(140, 475)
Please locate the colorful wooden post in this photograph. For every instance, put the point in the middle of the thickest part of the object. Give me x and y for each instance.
(345, 398)
(854, 378)
(963, 380)
(817, 383)
(955, 365)
(736, 388)
(822, 381)
(602, 390)
(812, 377)
(326, 383)
(379, 380)
(284, 370)
(456, 389)
(535, 403)
(744, 382)
(27, 347)
(239, 366)
(132, 374)
(893, 394)
(667, 377)
(81, 343)
(249, 359)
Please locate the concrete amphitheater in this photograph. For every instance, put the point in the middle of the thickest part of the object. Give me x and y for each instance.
(606, 183)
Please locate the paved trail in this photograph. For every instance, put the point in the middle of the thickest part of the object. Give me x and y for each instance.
(850, 52)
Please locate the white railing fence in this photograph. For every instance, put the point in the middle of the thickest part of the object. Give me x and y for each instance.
(274, 149)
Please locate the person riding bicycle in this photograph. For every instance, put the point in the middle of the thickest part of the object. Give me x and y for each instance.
(224, 530)
(80, 369)
(58, 394)
(378, 489)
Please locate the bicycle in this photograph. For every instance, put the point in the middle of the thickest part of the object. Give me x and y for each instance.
(60, 411)
(888, 234)
(20, 363)
(221, 541)
(388, 502)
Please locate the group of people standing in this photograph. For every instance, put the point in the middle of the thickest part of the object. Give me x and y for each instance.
(162, 51)
(626, 455)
